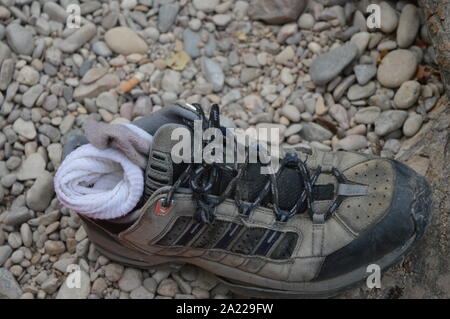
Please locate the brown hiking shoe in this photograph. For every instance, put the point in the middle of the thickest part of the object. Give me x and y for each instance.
(309, 230)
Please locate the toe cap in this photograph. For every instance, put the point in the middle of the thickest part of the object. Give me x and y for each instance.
(409, 213)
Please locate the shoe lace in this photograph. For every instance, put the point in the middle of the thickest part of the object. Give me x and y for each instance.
(201, 178)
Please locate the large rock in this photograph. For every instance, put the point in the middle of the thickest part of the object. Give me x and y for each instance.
(41, 193)
(327, 66)
(9, 288)
(397, 67)
(125, 41)
(19, 39)
(276, 11)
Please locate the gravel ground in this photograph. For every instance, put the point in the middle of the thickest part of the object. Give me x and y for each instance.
(320, 76)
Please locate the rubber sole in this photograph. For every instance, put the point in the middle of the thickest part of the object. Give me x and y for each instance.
(421, 213)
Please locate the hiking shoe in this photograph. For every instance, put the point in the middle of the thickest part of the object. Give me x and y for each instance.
(309, 230)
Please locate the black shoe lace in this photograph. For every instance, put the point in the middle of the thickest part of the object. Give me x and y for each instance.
(201, 178)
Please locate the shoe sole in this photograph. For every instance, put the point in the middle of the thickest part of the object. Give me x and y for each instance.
(421, 212)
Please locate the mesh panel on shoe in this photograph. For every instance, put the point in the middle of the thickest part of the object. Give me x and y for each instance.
(247, 242)
(211, 234)
(285, 246)
(175, 232)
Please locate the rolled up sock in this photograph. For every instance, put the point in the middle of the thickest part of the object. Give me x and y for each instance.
(101, 184)
(129, 139)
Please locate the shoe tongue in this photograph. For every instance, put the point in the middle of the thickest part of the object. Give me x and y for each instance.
(161, 170)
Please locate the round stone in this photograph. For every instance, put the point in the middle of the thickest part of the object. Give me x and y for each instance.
(407, 94)
(125, 41)
(397, 67)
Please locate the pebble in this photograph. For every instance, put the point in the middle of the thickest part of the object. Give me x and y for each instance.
(339, 113)
(105, 83)
(213, 74)
(55, 12)
(285, 56)
(249, 74)
(14, 240)
(5, 252)
(315, 132)
(27, 236)
(107, 101)
(113, 272)
(291, 112)
(141, 293)
(28, 76)
(130, 280)
(205, 6)
(407, 95)
(306, 21)
(93, 75)
(408, 26)
(17, 216)
(114, 38)
(352, 143)
(77, 39)
(221, 20)
(389, 18)
(171, 81)
(412, 124)
(41, 193)
(25, 128)
(361, 40)
(102, 49)
(367, 115)
(358, 92)
(277, 12)
(397, 67)
(53, 247)
(389, 121)
(9, 288)
(286, 76)
(329, 65)
(168, 287)
(19, 39)
(286, 31)
(364, 73)
(32, 167)
(191, 42)
(167, 15)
